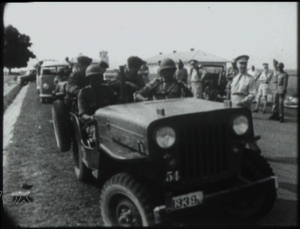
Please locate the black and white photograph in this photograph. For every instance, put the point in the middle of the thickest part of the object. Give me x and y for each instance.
(139, 114)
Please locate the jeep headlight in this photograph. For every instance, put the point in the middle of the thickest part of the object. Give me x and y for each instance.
(240, 125)
(46, 86)
(165, 137)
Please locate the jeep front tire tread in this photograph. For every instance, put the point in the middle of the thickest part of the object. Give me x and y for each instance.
(124, 202)
(61, 124)
(253, 205)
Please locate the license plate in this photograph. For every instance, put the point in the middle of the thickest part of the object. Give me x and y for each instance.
(188, 200)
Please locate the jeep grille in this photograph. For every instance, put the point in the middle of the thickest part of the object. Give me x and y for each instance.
(202, 152)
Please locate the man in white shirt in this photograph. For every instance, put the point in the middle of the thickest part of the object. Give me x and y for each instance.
(197, 75)
(252, 71)
(264, 77)
(243, 85)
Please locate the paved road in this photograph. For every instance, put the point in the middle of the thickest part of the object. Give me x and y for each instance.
(79, 202)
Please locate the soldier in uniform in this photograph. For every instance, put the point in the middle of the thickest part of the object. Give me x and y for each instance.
(243, 85)
(96, 94)
(197, 74)
(77, 80)
(231, 73)
(133, 80)
(281, 82)
(144, 72)
(264, 77)
(164, 87)
(181, 73)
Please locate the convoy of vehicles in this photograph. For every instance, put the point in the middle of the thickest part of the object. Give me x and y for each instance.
(45, 80)
(28, 76)
(157, 157)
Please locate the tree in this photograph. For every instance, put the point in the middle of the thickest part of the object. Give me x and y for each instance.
(16, 52)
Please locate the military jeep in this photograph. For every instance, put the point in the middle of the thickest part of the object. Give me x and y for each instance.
(214, 83)
(156, 157)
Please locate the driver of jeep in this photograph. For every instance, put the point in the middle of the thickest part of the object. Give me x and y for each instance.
(164, 87)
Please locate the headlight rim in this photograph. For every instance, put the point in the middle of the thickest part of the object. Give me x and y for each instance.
(155, 139)
(232, 125)
(46, 86)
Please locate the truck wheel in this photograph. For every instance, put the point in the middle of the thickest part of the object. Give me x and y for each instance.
(206, 93)
(124, 202)
(62, 126)
(82, 173)
(256, 204)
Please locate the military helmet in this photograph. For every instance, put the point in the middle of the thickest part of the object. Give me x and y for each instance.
(167, 63)
(93, 69)
(280, 65)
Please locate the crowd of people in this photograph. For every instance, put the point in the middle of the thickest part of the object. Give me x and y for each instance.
(85, 81)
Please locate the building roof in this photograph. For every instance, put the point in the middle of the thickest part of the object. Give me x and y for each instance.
(187, 56)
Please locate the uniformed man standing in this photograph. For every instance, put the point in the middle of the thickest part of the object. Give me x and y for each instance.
(281, 82)
(196, 79)
(77, 80)
(243, 85)
(264, 77)
(133, 81)
(181, 73)
(164, 87)
(231, 73)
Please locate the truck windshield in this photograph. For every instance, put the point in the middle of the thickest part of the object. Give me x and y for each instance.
(51, 70)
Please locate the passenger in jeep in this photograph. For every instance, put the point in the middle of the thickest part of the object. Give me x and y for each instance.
(96, 94)
(133, 80)
(164, 87)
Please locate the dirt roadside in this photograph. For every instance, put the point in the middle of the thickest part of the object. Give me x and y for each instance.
(58, 198)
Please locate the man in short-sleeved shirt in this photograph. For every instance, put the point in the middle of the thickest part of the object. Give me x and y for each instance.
(243, 85)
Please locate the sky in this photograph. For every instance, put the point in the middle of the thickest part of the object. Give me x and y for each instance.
(262, 30)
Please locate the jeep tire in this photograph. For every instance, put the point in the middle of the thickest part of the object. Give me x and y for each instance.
(253, 205)
(62, 126)
(82, 173)
(124, 202)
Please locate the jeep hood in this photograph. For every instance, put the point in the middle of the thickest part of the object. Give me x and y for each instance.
(143, 113)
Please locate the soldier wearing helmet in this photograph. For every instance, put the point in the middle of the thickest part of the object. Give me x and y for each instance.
(165, 86)
(281, 83)
(77, 80)
(197, 75)
(133, 81)
(97, 94)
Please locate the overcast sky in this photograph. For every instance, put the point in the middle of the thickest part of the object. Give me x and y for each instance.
(263, 31)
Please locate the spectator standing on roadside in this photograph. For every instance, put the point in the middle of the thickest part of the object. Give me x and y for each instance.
(181, 72)
(231, 73)
(281, 83)
(196, 79)
(252, 71)
(243, 85)
(264, 77)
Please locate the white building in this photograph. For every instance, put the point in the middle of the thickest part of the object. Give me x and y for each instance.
(202, 57)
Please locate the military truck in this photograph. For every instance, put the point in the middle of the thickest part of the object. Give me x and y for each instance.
(153, 158)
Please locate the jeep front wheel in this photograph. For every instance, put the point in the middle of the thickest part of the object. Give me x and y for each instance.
(255, 204)
(124, 202)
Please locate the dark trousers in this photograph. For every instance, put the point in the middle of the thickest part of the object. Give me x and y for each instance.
(278, 107)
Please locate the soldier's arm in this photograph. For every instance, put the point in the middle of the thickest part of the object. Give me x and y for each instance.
(269, 78)
(144, 93)
(251, 91)
(257, 77)
(83, 108)
(72, 85)
(285, 82)
(187, 91)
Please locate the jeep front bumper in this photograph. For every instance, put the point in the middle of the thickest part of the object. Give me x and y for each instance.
(161, 212)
